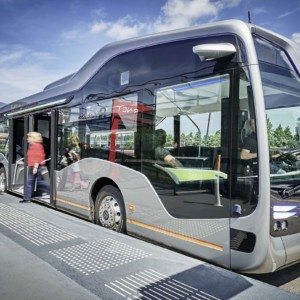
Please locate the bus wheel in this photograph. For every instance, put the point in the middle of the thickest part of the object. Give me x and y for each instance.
(110, 211)
(3, 184)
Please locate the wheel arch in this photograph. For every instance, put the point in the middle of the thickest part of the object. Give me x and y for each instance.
(99, 184)
(110, 187)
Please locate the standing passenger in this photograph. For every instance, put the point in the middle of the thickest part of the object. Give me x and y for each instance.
(75, 156)
(35, 161)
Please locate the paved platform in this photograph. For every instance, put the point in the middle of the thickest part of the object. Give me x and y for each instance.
(47, 254)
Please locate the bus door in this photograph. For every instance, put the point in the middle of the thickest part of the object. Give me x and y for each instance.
(16, 161)
(42, 123)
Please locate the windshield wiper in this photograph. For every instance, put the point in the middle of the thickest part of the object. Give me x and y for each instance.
(289, 191)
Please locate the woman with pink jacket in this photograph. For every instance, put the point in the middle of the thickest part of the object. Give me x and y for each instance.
(35, 162)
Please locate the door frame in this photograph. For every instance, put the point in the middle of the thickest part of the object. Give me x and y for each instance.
(11, 157)
(31, 127)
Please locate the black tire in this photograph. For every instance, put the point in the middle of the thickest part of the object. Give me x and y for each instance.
(3, 180)
(110, 210)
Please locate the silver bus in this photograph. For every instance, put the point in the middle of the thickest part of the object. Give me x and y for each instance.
(189, 138)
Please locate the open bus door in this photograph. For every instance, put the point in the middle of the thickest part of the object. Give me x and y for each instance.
(42, 123)
(17, 170)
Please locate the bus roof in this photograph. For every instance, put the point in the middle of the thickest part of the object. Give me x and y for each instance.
(67, 86)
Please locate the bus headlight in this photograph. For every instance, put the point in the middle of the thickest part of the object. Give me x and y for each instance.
(277, 226)
(280, 225)
(284, 225)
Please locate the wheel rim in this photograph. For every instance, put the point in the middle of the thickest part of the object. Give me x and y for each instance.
(110, 213)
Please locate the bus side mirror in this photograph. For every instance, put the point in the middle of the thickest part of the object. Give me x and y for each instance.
(214, 51)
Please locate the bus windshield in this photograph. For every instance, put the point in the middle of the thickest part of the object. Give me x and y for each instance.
(281, 87)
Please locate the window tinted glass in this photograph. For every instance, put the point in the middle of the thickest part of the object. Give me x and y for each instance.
(281, 87)
(152, 65)
(245, 168)
(105, 130)
(271, 54)
(281, 90)
(187, 158)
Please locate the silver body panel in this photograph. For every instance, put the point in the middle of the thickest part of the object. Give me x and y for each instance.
(292, 246)
(138, 191)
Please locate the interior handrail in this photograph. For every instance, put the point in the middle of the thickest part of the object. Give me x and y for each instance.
(15, 171)
(45, 160)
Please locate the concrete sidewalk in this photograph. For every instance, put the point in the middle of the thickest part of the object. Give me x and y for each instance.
(46, 254)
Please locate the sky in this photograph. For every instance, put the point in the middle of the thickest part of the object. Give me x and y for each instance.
(44, 40)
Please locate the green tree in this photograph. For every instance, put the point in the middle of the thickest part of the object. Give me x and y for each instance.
(170, 140)
(128, 145)
(297, 138)
(182, 140)
(279, 136)
(197, 138)
(214, 140)
(270, 133)
(290, 139)
(190, 139)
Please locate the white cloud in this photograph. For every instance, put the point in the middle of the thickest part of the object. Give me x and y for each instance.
(296, 37)
(20, 81)
(182, 13)
(125, 28)
(71, 35)
(21, 55)
(288, 13)
(99, 26)
(174, 14)
(228, 3)
(43, 56)
(10, 57)
(99, 12)
(22, 72)
(120, 32)
(192, 9)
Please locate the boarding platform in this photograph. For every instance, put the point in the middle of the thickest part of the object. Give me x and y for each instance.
(47, 254)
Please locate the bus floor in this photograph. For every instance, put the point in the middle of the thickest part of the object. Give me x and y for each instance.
(47, 254)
